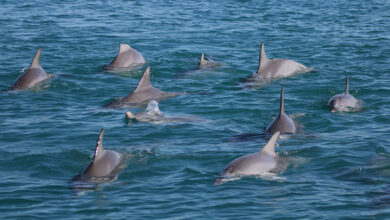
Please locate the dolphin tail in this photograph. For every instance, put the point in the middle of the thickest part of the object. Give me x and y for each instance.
(99, 146)
(263, 59)
(346, 85)
(281, 101)
(145, 80)
(35, 61)
(269, 147)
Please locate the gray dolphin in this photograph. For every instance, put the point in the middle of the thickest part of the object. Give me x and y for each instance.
(206, 62)
(103, 164)
(153, 114)
(282, 123)
(127, 57)
(269, 69)
(344, 101)
(252, 164)
(34, 75)
(142, 94)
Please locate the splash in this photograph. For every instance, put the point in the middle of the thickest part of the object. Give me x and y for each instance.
(153, 108)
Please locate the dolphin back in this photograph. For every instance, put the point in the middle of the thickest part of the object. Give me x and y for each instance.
(104, 161)
(283, 122)
(277, 68)
(144, 93)
(127, 57)
(252, 164)
(34, 75)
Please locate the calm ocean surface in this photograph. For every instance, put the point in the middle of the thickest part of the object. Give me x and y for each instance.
(338, 165)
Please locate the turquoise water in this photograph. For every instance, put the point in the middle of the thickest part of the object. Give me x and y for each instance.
(338, 165)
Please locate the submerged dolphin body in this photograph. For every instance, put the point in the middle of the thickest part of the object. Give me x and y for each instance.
(252, 164)
(34, 75)
(344, 101)
(153, 114)
(206, 62)
(269, 69)
(142, 94)
(127, 57)
(103, 164)
(282, 123)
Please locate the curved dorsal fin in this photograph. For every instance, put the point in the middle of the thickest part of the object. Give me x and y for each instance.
(145, 80)
(281, 101)
(346, 85)
(35, 61)
(99, 146)
(263, 59)
(269, 147)
(123, 48)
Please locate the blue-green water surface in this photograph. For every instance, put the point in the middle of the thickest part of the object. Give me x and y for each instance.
(338, 165)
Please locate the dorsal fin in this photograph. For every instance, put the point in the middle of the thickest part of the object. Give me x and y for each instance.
(123, 48)
(202, 58)
(145, 80)
(35, 61)
(99, 146)
(281, 101)
(346, 85)
(263, 59)
(269, 147)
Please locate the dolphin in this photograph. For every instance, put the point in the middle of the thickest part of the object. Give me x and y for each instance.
(282, 123)
(206, 62)
(103, 164)
(269, 69)
(252, 164)
(34, 75)
(151, 113)
(344, 101)
(127, 57)
(154, 115)
(142, 94)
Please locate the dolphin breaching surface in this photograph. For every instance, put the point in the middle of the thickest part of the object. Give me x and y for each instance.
(179, 122)
(344, 101)
(269, 69)
(33, 76)
(127, 58)
(282, 123)
(103, 163)
(207, 62)
(142, 94)
(257, 163)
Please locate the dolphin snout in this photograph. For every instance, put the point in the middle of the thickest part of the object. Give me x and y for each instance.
(129, 115)
(218, 181)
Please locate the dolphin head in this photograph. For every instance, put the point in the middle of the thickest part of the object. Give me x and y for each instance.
(335, 104)
(344, 101)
